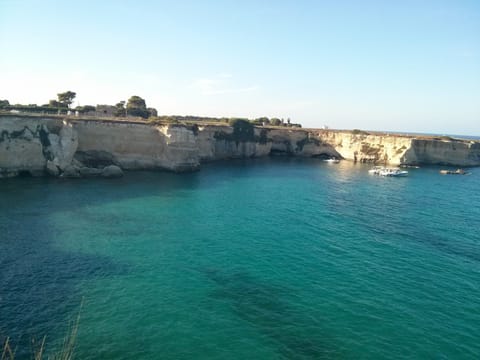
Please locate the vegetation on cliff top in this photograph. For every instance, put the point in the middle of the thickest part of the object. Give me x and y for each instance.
(243, 131)
(59, 106)
(135, 106)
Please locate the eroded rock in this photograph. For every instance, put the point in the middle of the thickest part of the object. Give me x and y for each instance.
(89, 172)
(52, 169)
(71, 172)
(112, 171)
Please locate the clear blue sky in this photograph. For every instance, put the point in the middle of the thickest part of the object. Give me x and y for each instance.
(410, 65)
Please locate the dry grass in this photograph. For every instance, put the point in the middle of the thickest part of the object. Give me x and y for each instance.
(38, 349)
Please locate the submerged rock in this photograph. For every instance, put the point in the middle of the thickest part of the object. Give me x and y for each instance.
(112, 171)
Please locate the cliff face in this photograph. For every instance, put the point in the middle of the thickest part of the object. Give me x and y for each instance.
(29, 145)
(300, 143)
(218, 142)
(136, 145)
(397, 149)
(368, 148)
(76, 147)
(443, 152)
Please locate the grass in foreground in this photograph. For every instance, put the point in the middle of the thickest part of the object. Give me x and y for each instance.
(38, 349)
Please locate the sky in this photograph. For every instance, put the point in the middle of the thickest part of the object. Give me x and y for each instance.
(410, 65)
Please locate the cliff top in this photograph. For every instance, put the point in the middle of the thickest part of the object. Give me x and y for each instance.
(139, 120)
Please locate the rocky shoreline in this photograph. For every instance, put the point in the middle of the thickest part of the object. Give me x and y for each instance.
(71, 147)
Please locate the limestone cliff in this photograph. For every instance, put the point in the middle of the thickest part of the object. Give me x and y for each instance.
(300, 143)
(137, 145)
(218, 142)
(368, 148)
(401, 149)
(75, 147)
(443, 152)
(27, 145)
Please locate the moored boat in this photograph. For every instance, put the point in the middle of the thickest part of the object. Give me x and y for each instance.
(376, 170)
(395, 172)
(453, 172)
(384, 171)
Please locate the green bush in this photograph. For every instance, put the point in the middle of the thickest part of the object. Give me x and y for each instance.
(359, 132)
(243, 130)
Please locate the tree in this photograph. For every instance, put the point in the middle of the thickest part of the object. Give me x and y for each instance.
(85, 109)
(55, 104)
(88, 108)
(261, 121)
(243, 130)
(120, 109)
(136, 107)
(66, 98)
(275, 122)
(152, 112)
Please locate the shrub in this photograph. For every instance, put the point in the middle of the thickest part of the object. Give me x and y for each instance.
(243, 130)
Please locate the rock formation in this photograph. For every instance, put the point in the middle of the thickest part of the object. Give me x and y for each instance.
(35, 146)
(84, 148)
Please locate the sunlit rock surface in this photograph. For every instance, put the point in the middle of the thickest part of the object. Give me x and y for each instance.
(81, 148)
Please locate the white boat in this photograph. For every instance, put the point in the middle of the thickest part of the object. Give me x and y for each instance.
(332, 161)
(454, 172)
(393, 172)
(384, 171)
(376, 170)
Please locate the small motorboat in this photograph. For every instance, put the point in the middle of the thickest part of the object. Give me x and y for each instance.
(453, 172)
(384, 171)
(396, 172)
(376, 170)
(332, 161)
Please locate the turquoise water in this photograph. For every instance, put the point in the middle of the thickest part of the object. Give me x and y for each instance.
(264, 259)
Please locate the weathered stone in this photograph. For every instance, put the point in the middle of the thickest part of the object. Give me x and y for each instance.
(112, 171)
(26, 144)
(136, 145)
(35, 173)
(41, 145)
(87, 172)
(64, 145)
(215, 143)
(71, 172)
(52, 168)
(95, 158)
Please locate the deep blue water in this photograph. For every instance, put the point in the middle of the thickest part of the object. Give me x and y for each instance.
(270, 259)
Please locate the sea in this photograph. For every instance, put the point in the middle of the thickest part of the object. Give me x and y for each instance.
(280, 258)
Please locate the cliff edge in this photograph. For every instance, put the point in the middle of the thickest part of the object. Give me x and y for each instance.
(70, 147)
